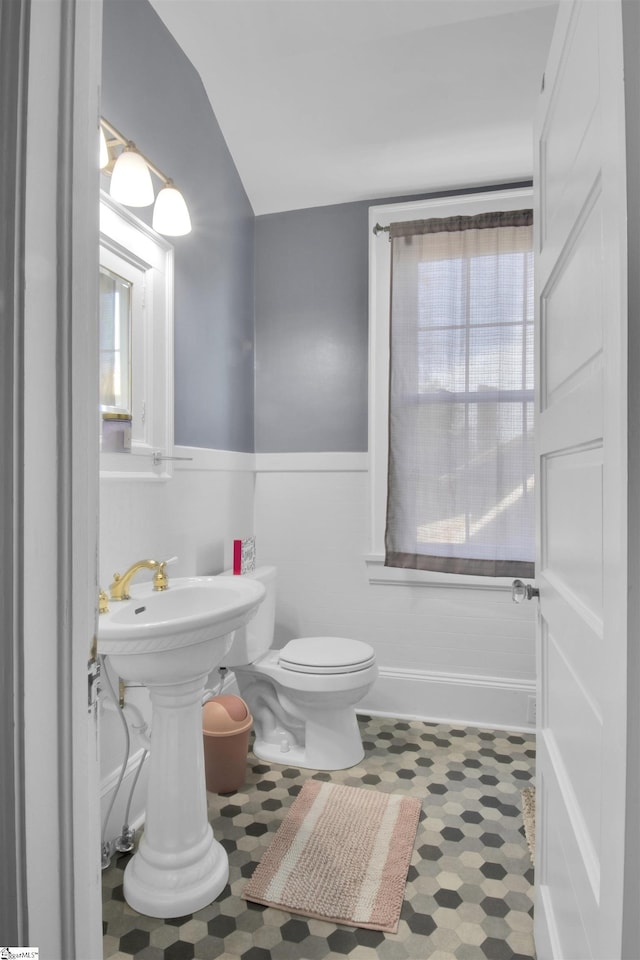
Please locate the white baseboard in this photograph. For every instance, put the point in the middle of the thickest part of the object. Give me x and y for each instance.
(490, 702)
(137, 809)
(494, 702)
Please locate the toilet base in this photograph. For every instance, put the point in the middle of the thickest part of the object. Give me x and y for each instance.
(297, 757)
(331, 743)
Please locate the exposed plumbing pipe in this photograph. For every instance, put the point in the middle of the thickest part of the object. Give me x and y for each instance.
(141, 728)
(124, 843)
(210, 694)
(105, 846)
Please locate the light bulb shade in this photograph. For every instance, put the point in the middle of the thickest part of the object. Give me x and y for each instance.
(131, 180)
(104, 150)
(170, 214)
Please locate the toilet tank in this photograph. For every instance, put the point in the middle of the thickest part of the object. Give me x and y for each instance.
(256, 636)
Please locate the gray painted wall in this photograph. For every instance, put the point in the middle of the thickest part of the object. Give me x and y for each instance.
(152, 94)
(312, 326)
(311, 269)
(312, 329)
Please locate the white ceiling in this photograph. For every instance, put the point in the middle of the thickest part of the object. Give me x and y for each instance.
(329, 101)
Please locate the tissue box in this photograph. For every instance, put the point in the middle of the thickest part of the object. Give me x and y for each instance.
(244, 555)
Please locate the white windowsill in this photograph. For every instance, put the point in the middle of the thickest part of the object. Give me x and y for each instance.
(394, 576)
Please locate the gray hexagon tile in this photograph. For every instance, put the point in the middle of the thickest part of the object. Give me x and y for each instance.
(469, 889)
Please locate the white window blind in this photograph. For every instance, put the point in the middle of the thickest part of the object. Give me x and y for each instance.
(461, 459)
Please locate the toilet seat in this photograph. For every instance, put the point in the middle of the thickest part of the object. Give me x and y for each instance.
(326, 655)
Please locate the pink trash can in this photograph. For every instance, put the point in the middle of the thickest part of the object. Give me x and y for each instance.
(226, 725)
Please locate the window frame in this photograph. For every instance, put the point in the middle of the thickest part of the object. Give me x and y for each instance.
(379, 355)
(113, 263)
(127, 237)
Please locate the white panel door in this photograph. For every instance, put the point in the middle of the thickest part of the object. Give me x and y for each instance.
(581, 480)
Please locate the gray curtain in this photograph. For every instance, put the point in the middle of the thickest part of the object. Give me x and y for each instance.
(461, 455)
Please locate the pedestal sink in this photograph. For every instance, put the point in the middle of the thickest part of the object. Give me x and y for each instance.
(170, 641)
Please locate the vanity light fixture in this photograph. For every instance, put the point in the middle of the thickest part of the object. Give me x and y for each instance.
(130, 179)
(104, 150)
(170, 214)
(131, 184)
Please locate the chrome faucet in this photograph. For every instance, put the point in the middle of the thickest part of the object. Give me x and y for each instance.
(119, 589)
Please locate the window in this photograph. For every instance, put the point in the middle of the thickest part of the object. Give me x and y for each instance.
(452, 386)
(136, 346)
(116, 294)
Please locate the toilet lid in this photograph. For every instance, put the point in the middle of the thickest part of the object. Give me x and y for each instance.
(326, 655)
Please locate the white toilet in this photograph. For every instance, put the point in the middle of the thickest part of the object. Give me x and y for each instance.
(302, 697)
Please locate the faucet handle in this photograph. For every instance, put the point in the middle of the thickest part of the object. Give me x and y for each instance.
(103, 601)
(160, 579)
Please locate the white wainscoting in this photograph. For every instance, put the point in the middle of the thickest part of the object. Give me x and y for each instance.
(465, 655)
(196, 515)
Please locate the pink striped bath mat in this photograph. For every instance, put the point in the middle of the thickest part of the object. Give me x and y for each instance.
(341, 854)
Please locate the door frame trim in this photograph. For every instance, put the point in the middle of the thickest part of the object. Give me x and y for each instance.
(14, 57)
(57, 383)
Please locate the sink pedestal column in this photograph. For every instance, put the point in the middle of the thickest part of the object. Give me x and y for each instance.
(179, 867)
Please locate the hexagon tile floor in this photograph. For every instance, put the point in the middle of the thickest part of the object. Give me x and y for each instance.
(469, 887)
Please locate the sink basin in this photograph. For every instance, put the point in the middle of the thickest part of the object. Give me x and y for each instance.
(170, 641)
(191, 610)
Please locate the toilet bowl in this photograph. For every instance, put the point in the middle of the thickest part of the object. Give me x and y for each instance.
(302, 696)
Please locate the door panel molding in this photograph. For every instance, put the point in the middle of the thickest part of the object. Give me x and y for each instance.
(571, 360)
(566, 881)
(581, 445)
(569, 84)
